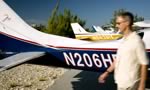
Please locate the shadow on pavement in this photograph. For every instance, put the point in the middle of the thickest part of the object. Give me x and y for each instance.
(86, 80)
(148, 81)
(89, 81)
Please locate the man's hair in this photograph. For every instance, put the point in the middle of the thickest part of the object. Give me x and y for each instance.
(128, 15)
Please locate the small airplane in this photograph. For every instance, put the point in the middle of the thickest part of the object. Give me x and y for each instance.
(144, 24)
(26, 43)
(102, 31)
(100, 34)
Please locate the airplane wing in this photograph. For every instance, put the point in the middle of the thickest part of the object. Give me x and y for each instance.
(82, 34)
(145, 23)
(99, 37)
(18, 59)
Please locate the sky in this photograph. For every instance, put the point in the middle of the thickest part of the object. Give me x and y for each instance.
(94, 12)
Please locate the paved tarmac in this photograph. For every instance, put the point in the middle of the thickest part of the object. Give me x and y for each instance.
(78, 79)
(84, 80)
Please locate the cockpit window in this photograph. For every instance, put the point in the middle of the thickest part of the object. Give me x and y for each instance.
(141, 34)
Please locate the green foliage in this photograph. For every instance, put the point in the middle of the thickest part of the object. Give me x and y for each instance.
(40, 27)
(59, 23)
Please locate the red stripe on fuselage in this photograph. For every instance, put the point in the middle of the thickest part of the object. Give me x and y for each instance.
(31, 42)
(63, 47)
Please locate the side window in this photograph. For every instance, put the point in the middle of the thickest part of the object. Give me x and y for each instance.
(141, 34)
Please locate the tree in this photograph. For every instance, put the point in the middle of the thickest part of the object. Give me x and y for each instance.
(59, 23)
(39, 27)
(112, 21)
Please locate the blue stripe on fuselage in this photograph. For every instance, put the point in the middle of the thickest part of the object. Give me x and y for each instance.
(94, 60)
(9, 44)
(87, 59)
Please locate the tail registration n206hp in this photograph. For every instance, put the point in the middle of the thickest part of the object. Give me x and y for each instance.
(88, 60)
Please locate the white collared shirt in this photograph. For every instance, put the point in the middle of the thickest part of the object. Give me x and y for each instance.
(130, 55)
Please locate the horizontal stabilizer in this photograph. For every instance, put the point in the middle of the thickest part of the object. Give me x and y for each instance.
(18, 59)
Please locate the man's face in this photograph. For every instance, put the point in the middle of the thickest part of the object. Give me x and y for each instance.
(121, 23)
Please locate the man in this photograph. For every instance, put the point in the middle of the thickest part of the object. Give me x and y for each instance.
(130, 66)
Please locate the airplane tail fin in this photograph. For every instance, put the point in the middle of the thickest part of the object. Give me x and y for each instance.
(77, 29)
(9, 19)
(15, 28)
(98, 29)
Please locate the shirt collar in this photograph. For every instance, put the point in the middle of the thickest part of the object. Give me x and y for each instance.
(130, 36)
